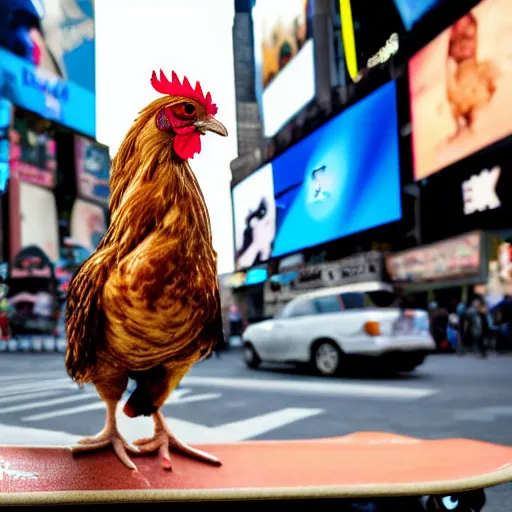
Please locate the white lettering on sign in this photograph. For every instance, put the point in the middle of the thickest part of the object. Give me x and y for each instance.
(479, 192)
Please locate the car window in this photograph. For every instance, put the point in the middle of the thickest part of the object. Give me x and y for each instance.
(353, 300)
(375, 299)
(302, 308)
(285, 311)
(328, 304)
(382, 299)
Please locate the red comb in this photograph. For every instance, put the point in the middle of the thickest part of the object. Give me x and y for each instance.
(176, 88)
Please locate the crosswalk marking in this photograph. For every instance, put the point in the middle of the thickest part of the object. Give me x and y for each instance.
(175, 398)
(37, 385)
(65, 412)
(312, 387)
(27, 396)
(54, 401)
(56, 396)
(28, 377)
(195, 398)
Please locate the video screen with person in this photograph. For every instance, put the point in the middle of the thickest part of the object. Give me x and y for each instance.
(255, 218)
(460, 87)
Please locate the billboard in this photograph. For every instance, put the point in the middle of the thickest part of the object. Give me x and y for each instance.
(459, 88)
(368, 38)
(88, 224)
(284, 59)
(342, 179)
(33, 155)
(450, 259)
(475, 194)
(288, 284)
(92, 165)
(39, 219)
(47, 59)
(411, 11)
(5, 124)
(31, 295)
(254, 218)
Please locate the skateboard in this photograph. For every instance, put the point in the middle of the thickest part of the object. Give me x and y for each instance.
(364, 471)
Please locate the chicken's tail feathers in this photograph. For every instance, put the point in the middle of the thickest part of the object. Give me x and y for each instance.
(85, 325)
(140, 403)
(150, 392)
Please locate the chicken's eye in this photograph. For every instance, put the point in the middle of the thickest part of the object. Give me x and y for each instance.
(184, 111)
(189, 108)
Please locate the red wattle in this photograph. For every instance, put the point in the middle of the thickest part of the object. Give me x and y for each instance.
(186, 146)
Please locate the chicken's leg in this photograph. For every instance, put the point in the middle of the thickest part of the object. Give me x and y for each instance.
(163, 440)
(109, 436)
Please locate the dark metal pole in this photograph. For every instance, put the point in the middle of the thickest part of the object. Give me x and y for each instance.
(324, 52)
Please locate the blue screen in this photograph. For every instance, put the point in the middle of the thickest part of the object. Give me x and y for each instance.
(412, 11)
(256, 276)
(341, 179)
(5, 121)
(47, 59)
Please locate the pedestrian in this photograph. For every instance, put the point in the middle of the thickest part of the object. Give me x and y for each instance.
(483, 341)
(503, 321)
(438, 323)
(235, 322)
(476, 327)
(461, 314)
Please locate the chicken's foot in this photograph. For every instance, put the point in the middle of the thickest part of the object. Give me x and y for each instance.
(109, 436)
(164, 440)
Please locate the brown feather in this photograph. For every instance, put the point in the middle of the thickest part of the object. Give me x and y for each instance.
(149, 294)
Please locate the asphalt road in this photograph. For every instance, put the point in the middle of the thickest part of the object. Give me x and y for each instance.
(221, 400)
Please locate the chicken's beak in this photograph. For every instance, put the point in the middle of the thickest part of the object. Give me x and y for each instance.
(212, 125)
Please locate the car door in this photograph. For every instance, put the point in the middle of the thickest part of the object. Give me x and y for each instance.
(291, 329)
(268, 335)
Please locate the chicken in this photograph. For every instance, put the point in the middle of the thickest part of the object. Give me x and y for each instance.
(146, 304)
(470, 84)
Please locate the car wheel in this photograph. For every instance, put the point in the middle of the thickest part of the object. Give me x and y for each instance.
(251, 358)
(326, 358)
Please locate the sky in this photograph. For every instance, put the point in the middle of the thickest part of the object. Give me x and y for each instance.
(194, 38)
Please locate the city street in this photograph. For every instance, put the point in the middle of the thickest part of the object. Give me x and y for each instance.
(221, 400)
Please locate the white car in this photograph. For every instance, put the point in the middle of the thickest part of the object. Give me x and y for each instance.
(326, 328)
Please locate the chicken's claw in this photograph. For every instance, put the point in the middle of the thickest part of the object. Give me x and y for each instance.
(104, 439)
(163, 441)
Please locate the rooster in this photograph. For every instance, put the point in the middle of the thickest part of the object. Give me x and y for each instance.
(471, 83)
(146, 304)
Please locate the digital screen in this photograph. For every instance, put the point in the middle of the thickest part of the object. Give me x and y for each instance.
(39, 219)
(412, 11)
(55, 35)
(283, 54)
(47, 59)
(5, 121)
(256, 276)
(88, 224)
(341, 179)
(254, 218)
(368, 40)
(460, 87)
(92, 165)
(475, 194)
(33, 154)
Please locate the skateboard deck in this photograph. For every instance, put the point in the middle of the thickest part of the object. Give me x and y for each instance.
(364, 464)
